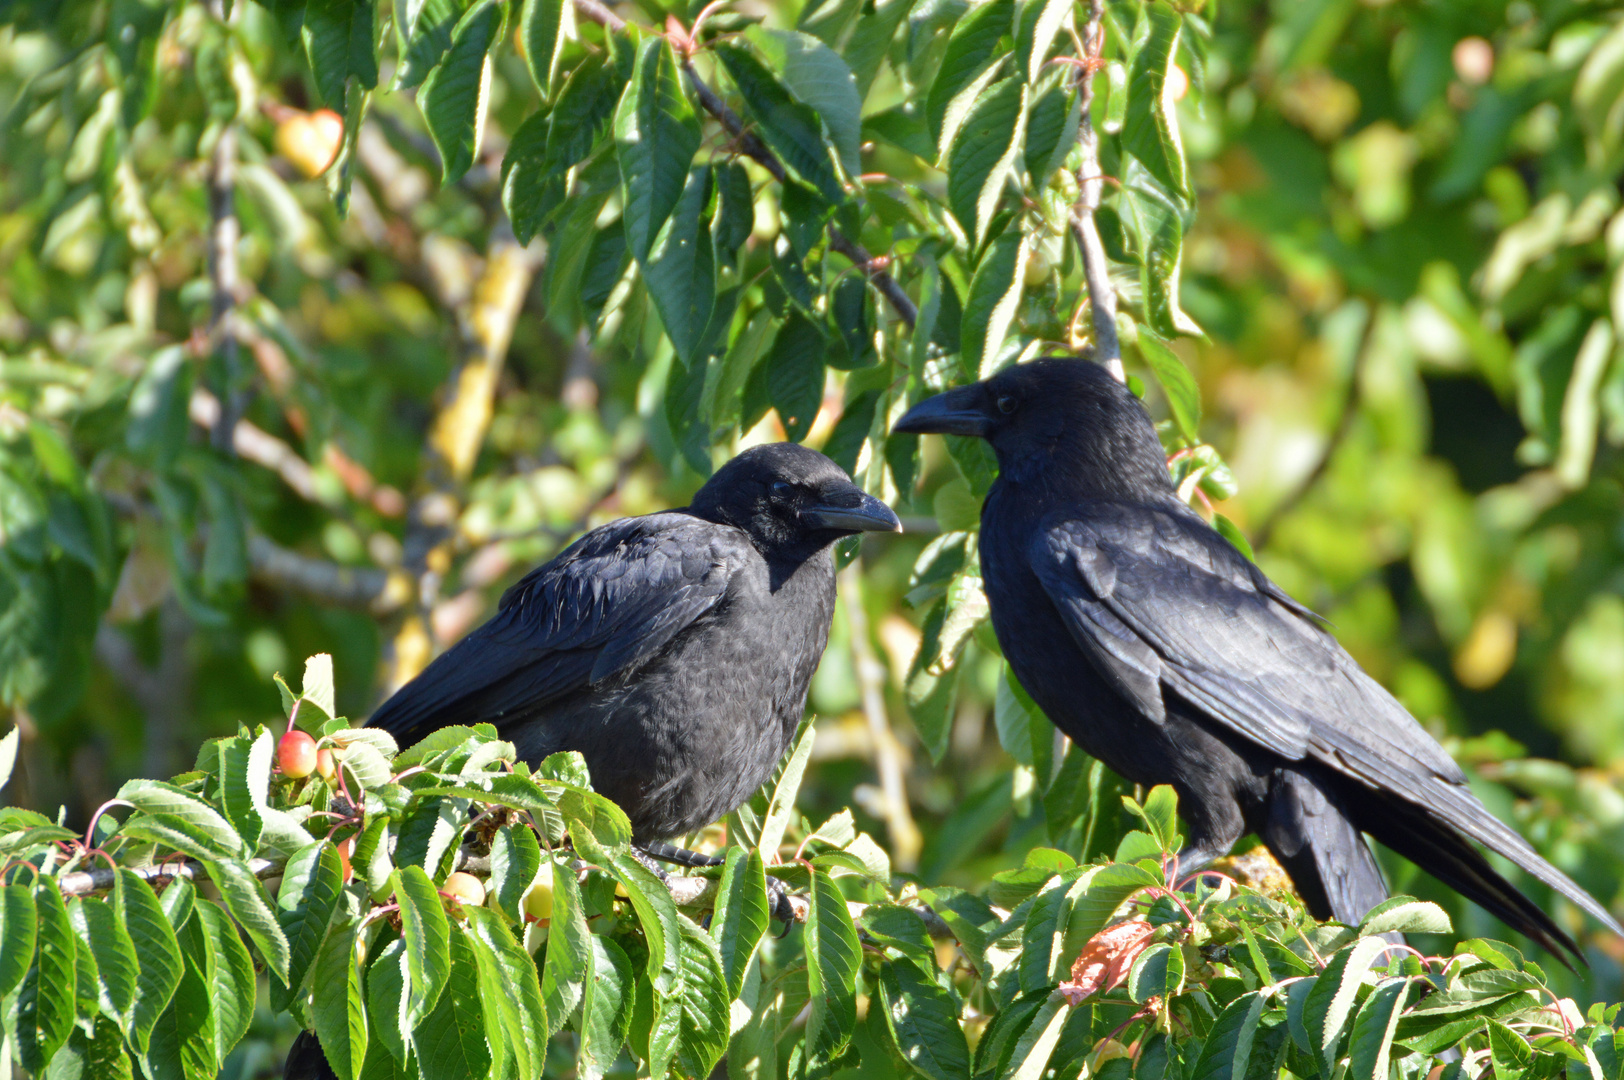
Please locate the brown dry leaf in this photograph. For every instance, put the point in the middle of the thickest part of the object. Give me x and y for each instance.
(1105, 960)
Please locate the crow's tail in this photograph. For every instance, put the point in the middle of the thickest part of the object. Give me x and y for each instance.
(307, 1061)
(1311, 835)
(1436, 847)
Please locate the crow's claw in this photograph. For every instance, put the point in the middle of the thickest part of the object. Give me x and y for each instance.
(780, 907)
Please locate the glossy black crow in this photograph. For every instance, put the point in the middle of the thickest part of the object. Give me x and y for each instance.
(1162, 650)
(673, 651)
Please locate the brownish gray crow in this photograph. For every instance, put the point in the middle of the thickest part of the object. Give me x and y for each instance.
(1163, 651)
(673, 651)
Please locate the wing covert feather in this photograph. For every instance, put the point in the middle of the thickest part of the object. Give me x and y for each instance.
(1227, 640)
(611, 600)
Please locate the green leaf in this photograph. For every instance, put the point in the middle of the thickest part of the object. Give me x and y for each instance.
(316, 685)
(236, 787)
(1370, 1046)
(515, 859)
(311, 883)
(157, 425)
(453, 96)
(387, 998)
(1155, 219)
(1330, 1004)
(817, 77)
(339, 43)
(657, 134)
(230, 974)
(1036, 24)
(1157, 972)
(1405, 915)
(338, 1005)
(541, 26)
(606, 1007)
(995, 292)
(101, 933)
(245, 899)
(782, 804)
(45, 1001)
(1044, 957)
(180, 820)
(1030, 1058)
(155, 949)
(833, 955)
(427, 932)
(741, 915)
(8, 755)
(1150, 130)
(1232, 532)
(1183, 396)
(705, 998)
(528, 182)
(182, 1043)
(98, 1055)
(681, 271)
(924, 1021)
(18, 930)
(792, 130)
(450, 1043)
(966, 66)
(1227, 1053)
(794, 371)
(1508, 1051)
(569, 948)
(1051, 132)
(520, 986)
(423, 32)
(983, 155)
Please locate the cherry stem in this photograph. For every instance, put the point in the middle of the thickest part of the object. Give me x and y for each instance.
(90, 832)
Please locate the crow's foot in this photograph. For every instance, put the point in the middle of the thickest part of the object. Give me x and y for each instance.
(680, 856)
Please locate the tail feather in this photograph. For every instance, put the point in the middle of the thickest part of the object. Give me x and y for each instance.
(1310, 834)
(1439, 849)
(307, 1060)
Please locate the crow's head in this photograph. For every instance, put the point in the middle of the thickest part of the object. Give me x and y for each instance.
(788, 498)
(1066, 422)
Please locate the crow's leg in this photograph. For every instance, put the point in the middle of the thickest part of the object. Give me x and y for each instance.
(1214, 824)
(680, 856)
(778, 893)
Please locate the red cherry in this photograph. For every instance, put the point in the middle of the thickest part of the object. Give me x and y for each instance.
(297, 754)
(326, 768)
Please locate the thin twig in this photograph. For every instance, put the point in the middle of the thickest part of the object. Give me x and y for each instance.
(101, 878)
(1090, 186)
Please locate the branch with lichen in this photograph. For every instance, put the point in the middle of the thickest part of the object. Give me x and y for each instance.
(1102, 298)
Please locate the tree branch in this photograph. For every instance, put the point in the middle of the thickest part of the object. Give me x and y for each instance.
(225, 233)
(1090, 186)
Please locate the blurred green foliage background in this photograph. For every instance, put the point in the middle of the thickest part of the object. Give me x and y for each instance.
(1404, 258)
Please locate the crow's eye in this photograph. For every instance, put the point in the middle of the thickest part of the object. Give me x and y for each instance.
(1005, 403)
(780, 489)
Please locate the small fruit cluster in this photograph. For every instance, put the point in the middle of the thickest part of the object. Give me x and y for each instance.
(299, 756)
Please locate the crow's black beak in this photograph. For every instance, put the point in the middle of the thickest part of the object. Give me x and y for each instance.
(862, 513)
(957, 412)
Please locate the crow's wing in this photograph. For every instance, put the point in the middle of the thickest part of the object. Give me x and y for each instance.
(611, 600)
(1159, 602)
